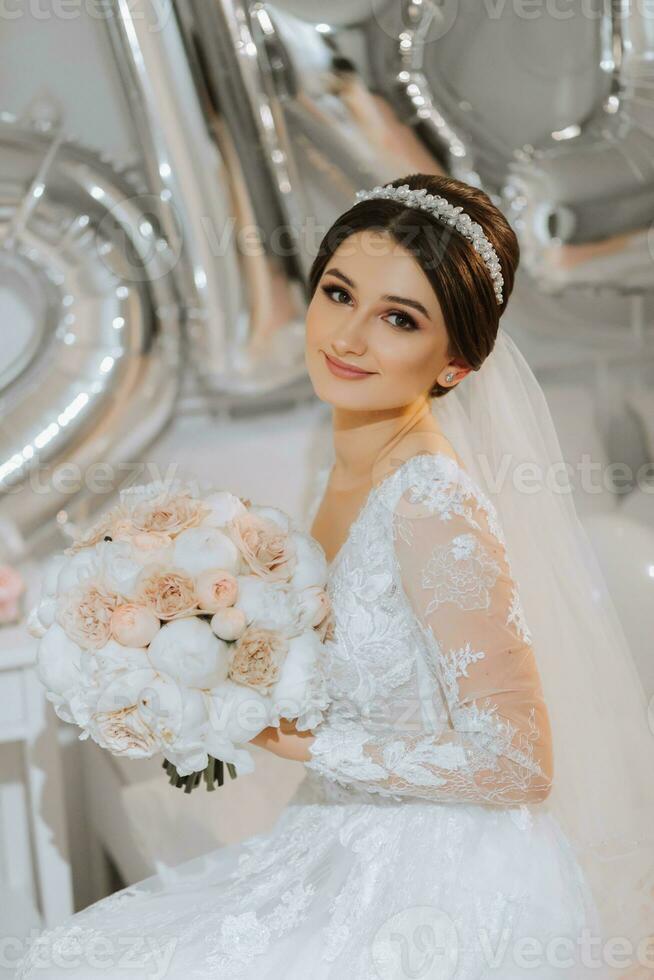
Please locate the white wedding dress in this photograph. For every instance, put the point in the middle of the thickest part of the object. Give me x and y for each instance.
(420, 843)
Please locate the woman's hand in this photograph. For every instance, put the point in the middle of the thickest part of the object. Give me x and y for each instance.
(285, 741)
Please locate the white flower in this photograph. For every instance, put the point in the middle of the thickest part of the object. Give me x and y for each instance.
(59, 660)
(297, 674)
(223, 507)
(113, 657)
(177, 714)
(236, 712)
(116, 723)
(200, 548)
(119, 568)
(189, 651)
(50, 575)
(311, 567)
(42, 616)
(82, 565)
(314, 605)
(268, 604)
(273, 514)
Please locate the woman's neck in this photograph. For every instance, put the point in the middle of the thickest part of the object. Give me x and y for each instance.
(363, 439)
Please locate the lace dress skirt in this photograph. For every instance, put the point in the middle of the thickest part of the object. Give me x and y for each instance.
(348, 886)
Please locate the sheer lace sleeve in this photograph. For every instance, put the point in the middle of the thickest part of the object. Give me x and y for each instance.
(496, 746)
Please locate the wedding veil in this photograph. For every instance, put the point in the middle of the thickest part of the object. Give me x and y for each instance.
(499, 423)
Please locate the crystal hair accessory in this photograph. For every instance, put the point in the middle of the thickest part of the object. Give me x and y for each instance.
(449, 214)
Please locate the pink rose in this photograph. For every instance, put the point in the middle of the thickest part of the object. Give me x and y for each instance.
(264, 545)
(133, 625)
(216, 588)
(12, 585)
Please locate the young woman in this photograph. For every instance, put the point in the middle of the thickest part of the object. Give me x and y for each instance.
(478, 800)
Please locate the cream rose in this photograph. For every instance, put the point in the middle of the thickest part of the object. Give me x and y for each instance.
(155, 508)
(266, 548)
(134, 625)
(85, 614)
(170, 593)
(215, 588)
(103, 526)
(314, 606)
(257, 658)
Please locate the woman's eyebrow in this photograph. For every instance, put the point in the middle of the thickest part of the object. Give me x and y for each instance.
(392, 299)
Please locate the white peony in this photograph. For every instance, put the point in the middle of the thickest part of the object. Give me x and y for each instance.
(113, 657)
(269, 605)
(236, 712)
(223, 506)
(200, 548)
(50, 576)
(272, 514)
(59, 660)
(189, 651)
(80, 566)
(311, 566)
(298, 673)
(41, 617)
(119, 568)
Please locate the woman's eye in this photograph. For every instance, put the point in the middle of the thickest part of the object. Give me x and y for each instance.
(409, 322)
(333, 293)
(331, 290)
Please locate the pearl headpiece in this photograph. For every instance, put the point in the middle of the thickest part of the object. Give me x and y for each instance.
(449, 215)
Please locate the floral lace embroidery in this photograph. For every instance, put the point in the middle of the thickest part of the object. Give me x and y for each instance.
(462, 572)
(484, 756)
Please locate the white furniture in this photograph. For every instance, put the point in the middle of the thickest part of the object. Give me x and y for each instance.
(33, 841)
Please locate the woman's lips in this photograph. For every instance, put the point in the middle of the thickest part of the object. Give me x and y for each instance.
(341, 371)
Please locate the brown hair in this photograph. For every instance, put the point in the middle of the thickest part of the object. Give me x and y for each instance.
(455, 270)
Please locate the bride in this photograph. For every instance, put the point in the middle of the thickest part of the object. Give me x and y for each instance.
(478, 800)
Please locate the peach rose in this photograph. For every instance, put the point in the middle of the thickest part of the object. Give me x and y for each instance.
(12, 585)
(215, 589)
(229, 623)
(170, 593)
(326, 628)
(124, 732)
(265, 546)
(257, 657)
(133, 625)
(165, 512)
(85, 614)
(97, 532)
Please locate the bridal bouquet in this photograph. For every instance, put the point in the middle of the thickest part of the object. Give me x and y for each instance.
(184, 624)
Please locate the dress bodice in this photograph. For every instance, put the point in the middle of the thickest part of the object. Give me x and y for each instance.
(429, 633)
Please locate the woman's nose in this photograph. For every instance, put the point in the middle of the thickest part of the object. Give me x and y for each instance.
(350, 335)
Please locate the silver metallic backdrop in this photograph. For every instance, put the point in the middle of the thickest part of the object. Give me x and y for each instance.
(257, 122)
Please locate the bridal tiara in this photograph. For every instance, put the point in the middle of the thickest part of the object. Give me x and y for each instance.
(449, 215)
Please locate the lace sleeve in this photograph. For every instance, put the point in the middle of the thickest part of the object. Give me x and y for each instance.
(496, 747)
